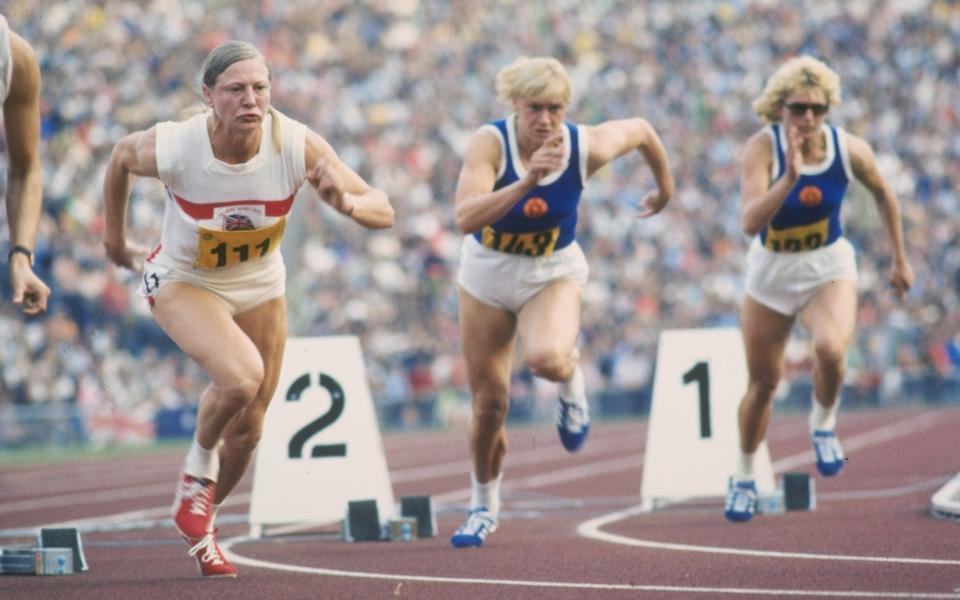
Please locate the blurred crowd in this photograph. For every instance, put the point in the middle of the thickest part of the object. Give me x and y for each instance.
(397, 87)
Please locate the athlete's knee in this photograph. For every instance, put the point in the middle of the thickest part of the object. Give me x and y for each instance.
(550, 364)
(490, 406)
(830, 353)
(762, 387)
(239, 386)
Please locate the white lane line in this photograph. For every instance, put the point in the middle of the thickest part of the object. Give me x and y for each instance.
(870, 438)
(517, 458)
(86, 498)
(592, 528)
(227, 545)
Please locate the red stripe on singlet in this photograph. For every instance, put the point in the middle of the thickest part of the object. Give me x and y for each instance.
(272, 208)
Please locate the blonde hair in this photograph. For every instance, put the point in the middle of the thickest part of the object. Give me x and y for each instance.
(539, 78)
(801, 72)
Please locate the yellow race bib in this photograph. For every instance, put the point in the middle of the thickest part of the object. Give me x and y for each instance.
(218, 248)
(797, 239)
(533, 243)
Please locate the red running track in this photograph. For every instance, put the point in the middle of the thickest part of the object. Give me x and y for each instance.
(570, 529)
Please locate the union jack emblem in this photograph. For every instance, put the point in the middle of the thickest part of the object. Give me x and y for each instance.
(237, 222)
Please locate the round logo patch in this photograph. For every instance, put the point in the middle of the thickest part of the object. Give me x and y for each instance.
(811, 196)
(535, 207)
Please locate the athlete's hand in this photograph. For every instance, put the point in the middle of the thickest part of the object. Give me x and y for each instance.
(651, 204)
(547, 158)
(29, 291)
(127, 254)
(329, 186)
(901, 278)
(794, 155)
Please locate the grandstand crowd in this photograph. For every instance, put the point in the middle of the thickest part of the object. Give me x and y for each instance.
(397, 87)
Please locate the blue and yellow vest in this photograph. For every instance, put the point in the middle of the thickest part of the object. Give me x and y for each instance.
(810, 216)
(545, 219)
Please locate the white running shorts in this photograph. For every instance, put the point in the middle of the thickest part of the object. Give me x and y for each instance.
(508, 281)
(241, 287)
(785, 281)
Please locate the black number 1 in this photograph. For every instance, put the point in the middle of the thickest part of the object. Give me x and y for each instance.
(701, 374)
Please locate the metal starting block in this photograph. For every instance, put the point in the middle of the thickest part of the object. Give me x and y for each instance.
(798, 492)
(421, 509)
(36, 561)
(65, 537)
(795, 492)
(363, 522)
(945, 504)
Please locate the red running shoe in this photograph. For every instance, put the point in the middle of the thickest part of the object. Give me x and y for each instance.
(193, 507)
(210, 559)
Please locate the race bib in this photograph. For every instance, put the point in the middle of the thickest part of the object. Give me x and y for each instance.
(218, 248)
(533, 243)
(797, 239)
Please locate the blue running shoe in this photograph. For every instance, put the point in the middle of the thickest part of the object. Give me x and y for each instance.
(480, 523)
(829, 454)
(741, 501)
(573, 414)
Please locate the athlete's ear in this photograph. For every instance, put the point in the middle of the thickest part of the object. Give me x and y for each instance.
(207, 96)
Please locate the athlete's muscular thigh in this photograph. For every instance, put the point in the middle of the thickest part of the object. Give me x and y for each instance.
(266, 326)
(549, 325)
(487, 337)
(830, 315)
(201, 325)
(765, 334)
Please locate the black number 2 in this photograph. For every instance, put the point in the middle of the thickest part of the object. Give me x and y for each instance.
(299, 439)
(701, 374)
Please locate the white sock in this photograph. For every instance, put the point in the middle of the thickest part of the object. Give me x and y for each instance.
(744, 470)
(213, 516)
(575, 389)
(486, 494)
(823, 418)
(201, 463)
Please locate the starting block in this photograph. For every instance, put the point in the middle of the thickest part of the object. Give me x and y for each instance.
(421, 509)
(402, 529)
(795, 492)
(363, 522)
(36, 561)
(65, 537)
(59, 551)
(798, 492)
(945, 504)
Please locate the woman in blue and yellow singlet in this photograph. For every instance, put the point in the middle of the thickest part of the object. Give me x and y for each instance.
(215, 281)
(794, 177)
(521, 269)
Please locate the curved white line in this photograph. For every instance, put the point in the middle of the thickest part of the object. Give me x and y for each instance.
(591, 529)
(226, 546)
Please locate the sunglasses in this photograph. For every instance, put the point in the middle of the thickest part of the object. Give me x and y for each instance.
(798, 109)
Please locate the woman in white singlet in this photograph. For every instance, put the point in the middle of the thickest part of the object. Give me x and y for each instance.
(215, 281)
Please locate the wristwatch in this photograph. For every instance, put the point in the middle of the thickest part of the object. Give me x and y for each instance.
(22, 250)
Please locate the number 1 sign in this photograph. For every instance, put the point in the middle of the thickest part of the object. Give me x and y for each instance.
(692, 435)
(321, 444)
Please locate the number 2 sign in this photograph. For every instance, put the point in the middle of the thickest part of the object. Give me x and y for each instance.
(692, 434)
(320, 431)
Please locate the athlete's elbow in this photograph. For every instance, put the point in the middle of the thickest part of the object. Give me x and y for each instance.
(464, 223)
(749, 227)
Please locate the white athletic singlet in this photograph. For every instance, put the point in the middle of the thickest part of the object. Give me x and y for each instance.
(220, 215)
